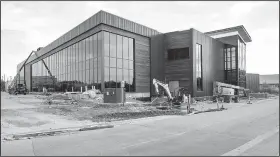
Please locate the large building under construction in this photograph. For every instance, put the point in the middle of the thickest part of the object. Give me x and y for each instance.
(106, 49)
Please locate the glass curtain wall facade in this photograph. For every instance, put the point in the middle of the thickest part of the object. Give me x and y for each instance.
(230, 64)
(199, 67)
(72, 68)
(118, 61)
(21, 79)
(241, 63)
(80, 65)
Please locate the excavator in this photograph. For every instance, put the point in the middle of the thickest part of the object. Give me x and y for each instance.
(172, 101)
(21, 88)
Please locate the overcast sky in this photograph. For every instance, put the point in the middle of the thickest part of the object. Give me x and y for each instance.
(25, 26)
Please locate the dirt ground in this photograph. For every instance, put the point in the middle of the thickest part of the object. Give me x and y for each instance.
(18, 115)
(29, 113)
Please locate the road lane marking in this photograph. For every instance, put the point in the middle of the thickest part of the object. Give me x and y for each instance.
(252, 143)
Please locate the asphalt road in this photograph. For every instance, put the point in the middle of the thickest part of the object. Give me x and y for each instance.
(247, 130)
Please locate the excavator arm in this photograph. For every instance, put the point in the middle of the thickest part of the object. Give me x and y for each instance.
(165, 87)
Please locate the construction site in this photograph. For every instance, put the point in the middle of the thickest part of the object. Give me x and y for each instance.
(81, 79)
(109, 72)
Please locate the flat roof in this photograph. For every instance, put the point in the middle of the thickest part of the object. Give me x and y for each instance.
(240, 29)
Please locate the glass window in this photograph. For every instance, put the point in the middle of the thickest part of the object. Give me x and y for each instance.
(119, 63)
(72, 55)
(77, 76)
(131, 49)
(131, 79)
(113, 45)
(80, 51)
(125, 47)
(76, 50)
(113, 76)
(87, 77)
(80, 66)
(180, 53)
(113, 62)
(95, 75)
(228, 66)
(94, 45)
(126, 79)
(119, 46)
(84, 76)
(199, 67)
(80, 76)
(91, 63)
(233, 65)
(83, 49)
(73, 76)
(87, 44)
(119, 75)
(91, 75)
(233, 55)
(106, 76)
(90, 44)
(99, 71)
(95, 62)
(106, 61)
(87, 64)
(106, 43)
(83, 64)
(120, 60)
(130, 64)
(99, 44)
(69, 77)
(125, 64)
(125, 75)
(74, 66)
(65, 60)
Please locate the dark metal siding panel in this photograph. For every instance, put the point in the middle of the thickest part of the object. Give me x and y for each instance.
(179, 69)
(157, 59)
(212, 62)
(142, 66)
(87, 24)
(81, 28)
(253, 82)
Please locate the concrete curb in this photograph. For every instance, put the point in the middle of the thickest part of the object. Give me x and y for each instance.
(54, 132)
